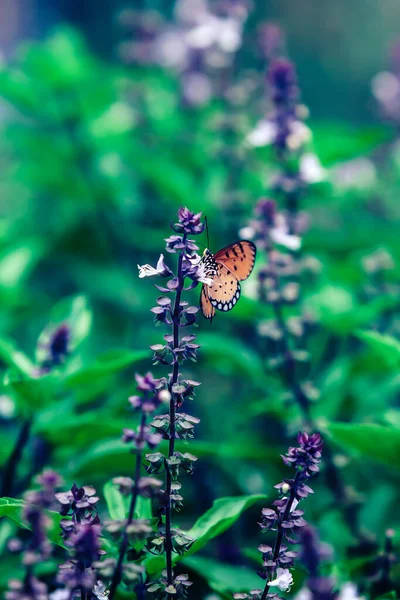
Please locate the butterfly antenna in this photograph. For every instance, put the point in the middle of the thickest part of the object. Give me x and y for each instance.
(208, 238)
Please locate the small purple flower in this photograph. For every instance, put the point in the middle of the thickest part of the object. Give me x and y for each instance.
(29, 589)
(55, 348)
(146, 383)
(59, 342)
(189, 222)
(81, 504)
(285, 517)
(282, 81)
(308, 455)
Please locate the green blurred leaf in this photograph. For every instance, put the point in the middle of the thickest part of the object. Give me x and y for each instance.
(338, 309)
(340, 141)
(109, 363)
(17, 262)
(32, 395)
(369, 440)
(102, 457)
(117, 504)
(222, 578)
(230, 355)
(12, 509)
(384, 347)
(15, 358)
(143, 508)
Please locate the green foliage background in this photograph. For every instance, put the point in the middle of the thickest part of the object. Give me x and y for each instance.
(95, 161)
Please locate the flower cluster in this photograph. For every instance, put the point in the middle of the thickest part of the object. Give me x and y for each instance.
(54, 347)
(81, 533)
(320, 584)
(198, 45)
(285, 518)
(172, 311)
(134, 533)
(284, 129)
(38, 547)
(80, 505)
(278, 232)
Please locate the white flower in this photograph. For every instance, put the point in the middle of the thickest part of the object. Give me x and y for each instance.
(100, 591)
(299, 135)
(164, 396)
(303, 594)
(284, 580)
(7, 407)
(349, 592)
(225, 33)
(263, 134)
(358, 174)
(247, 233)
(280, 234)
(149, 271)
(60, 595)
(385, 87)
(197, 88)
(311, 170)
(170, 50)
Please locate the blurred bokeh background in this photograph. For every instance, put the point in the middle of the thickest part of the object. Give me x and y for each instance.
(114, 114)
(338, 47)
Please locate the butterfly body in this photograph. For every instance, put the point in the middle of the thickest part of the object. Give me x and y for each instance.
(226, 268)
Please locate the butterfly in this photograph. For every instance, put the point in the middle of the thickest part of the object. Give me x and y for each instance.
(226, 268)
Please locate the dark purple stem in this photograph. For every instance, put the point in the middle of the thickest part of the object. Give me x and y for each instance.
(171, 445)
(116, 579)
(280, 534)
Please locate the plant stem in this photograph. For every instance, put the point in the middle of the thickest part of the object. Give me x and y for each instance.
(11, 467)
(289, 364)
(116, 579)
(172, 416)
(279, 537)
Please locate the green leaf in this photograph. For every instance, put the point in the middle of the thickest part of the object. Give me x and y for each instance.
(9, 506)
(222, 515)
(33, 394)
(108, 363)
(371, 441)
(384, 347)
(12, 509)
(19, 261)
(101, 458)
(338, 309)
(340, 141)
(117, 504)
(231, 355)
(222, 578)
(143, 508)
(15, 358)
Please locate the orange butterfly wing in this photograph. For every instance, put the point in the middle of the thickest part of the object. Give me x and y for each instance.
(239, 258)
(207, 308)
(225, 290)
(232, 264)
